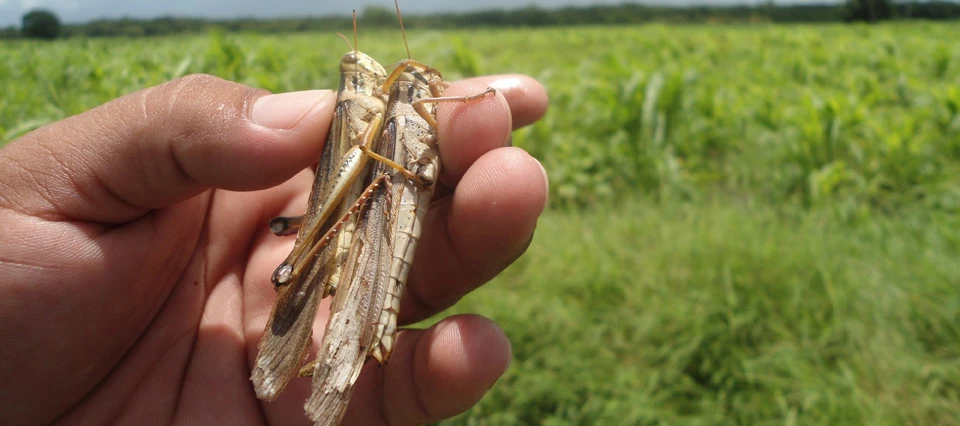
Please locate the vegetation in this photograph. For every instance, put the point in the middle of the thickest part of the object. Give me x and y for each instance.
(748, 224)
(727, 313)
(869, 10)
(41, 24)
(532, 16)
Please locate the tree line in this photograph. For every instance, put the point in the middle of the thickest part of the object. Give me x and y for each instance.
(44, 24)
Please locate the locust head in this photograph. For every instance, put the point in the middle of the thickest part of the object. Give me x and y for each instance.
(360, 73)
(357, 62)
(358, 69)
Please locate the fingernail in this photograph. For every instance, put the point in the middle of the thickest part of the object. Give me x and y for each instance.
(546, 184)
(506, 83)
(285, 110)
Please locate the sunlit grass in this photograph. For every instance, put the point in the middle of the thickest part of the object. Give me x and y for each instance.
(864, 117)
(723, 313)
(750, 224)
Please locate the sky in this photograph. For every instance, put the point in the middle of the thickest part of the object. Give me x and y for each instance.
(73, 11)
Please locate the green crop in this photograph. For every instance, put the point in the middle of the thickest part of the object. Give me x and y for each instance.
(859, 117)
(748, 224)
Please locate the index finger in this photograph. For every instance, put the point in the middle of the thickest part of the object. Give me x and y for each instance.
(527, 97)
(468, 130)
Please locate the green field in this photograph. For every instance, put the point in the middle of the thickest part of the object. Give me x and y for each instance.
(748, 224)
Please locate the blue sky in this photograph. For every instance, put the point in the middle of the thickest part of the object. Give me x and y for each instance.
(85, 10)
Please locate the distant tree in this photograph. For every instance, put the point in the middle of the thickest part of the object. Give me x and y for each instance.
(378, 16)
(9, 32)
(868, 10)
(40, 23)
(767, 8)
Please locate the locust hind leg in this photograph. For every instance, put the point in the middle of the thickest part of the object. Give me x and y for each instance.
(406, 236)
(400, 68)
(386, 329)
(418, 106)
(285, 225)
(307, 369)
(347, 171)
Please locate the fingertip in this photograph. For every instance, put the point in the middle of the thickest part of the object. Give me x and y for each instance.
(506, 175)
(467, 130)
(527, 98)
(465, 356)
(284, 111)
(281, 134)
(496, 207)
(451, 366)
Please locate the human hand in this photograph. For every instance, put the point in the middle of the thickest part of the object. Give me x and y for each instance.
(135, 259)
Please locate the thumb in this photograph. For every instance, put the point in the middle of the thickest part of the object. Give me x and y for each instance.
(160, 145)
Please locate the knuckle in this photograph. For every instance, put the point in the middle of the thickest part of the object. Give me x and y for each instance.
(188, 92)
(195, 82)
(183, 92)
(196, 102)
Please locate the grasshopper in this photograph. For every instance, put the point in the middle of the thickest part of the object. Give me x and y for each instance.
(308, 274)
(363, 320)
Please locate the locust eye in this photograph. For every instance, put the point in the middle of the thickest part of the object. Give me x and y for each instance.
(350, 57)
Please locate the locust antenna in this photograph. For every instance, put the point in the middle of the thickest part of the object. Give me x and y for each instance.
(346, 40)
(356, 45)
(402, 32)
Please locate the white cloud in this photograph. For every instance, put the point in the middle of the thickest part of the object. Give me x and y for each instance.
(30, 4)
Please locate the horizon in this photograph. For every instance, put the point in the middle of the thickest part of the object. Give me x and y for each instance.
(83, 11)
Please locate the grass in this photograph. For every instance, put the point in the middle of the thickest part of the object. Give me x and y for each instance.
(863, 117)
(750, 224)
(725, 313)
